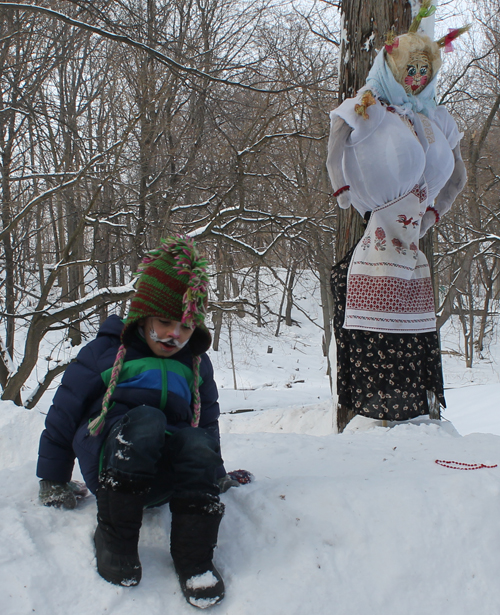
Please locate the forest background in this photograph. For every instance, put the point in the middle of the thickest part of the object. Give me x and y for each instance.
(121, 122)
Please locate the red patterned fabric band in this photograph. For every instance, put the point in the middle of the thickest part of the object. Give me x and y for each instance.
(435, 212)
(340, 190)
(388, 294)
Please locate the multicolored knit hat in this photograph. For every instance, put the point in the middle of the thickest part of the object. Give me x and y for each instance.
(172, 283)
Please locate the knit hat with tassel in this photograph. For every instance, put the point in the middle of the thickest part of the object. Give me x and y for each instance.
(172, 283)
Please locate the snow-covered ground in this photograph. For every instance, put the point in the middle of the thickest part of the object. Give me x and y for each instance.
(361, 523)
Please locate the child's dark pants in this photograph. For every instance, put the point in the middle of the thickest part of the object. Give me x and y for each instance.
(144, 465)
(140, 453)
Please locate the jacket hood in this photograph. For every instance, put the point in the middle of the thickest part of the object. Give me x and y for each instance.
(113, 325)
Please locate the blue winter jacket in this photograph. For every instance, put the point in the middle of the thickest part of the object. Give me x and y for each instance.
(145, 379)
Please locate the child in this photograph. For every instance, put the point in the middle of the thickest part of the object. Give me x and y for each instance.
(139, 410)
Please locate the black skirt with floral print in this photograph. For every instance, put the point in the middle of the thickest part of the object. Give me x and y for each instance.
(383, 375)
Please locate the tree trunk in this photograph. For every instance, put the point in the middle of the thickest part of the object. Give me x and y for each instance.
(289, 294)
(282, 303)
(366, 23)
(489, 281)
(218, 315)
(258, 308)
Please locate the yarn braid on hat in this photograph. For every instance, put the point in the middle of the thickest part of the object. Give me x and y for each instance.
(172, 283)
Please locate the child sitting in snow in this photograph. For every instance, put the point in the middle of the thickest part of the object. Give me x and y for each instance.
(139, 410)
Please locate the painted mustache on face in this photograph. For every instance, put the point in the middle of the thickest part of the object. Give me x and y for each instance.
(170, 341)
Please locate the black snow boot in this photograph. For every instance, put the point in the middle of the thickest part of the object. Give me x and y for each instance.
(195, 525)
(116, 539)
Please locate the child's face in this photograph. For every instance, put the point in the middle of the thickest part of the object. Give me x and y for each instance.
(165, 337)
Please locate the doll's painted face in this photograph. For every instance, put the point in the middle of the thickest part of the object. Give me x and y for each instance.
(418, 73)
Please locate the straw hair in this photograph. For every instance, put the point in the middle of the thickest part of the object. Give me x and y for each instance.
(426, 10)
(399, 58)
(452, 35)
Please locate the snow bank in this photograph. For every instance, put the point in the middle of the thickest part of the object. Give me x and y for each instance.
(362, 523)
(357, 523)
(20, 431)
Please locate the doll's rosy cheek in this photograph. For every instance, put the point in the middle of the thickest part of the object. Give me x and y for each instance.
(423, 80)
(409, 80)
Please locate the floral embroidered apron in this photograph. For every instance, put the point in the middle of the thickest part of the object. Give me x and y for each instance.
(389, 287)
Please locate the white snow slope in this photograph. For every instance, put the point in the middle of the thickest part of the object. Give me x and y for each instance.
(361, 523)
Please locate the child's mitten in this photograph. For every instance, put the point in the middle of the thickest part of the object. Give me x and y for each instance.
(57, 494)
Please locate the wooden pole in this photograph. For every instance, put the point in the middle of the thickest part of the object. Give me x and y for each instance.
(365, 24)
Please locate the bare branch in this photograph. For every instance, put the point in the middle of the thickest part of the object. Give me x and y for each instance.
(175, 66)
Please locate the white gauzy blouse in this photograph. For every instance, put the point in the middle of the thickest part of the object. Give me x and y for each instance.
(386, 155)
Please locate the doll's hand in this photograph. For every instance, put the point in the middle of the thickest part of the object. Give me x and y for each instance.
(57, 494)
(344, 200)
(428, 220)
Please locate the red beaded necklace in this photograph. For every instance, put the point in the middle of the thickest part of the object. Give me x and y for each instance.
(458, 465)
